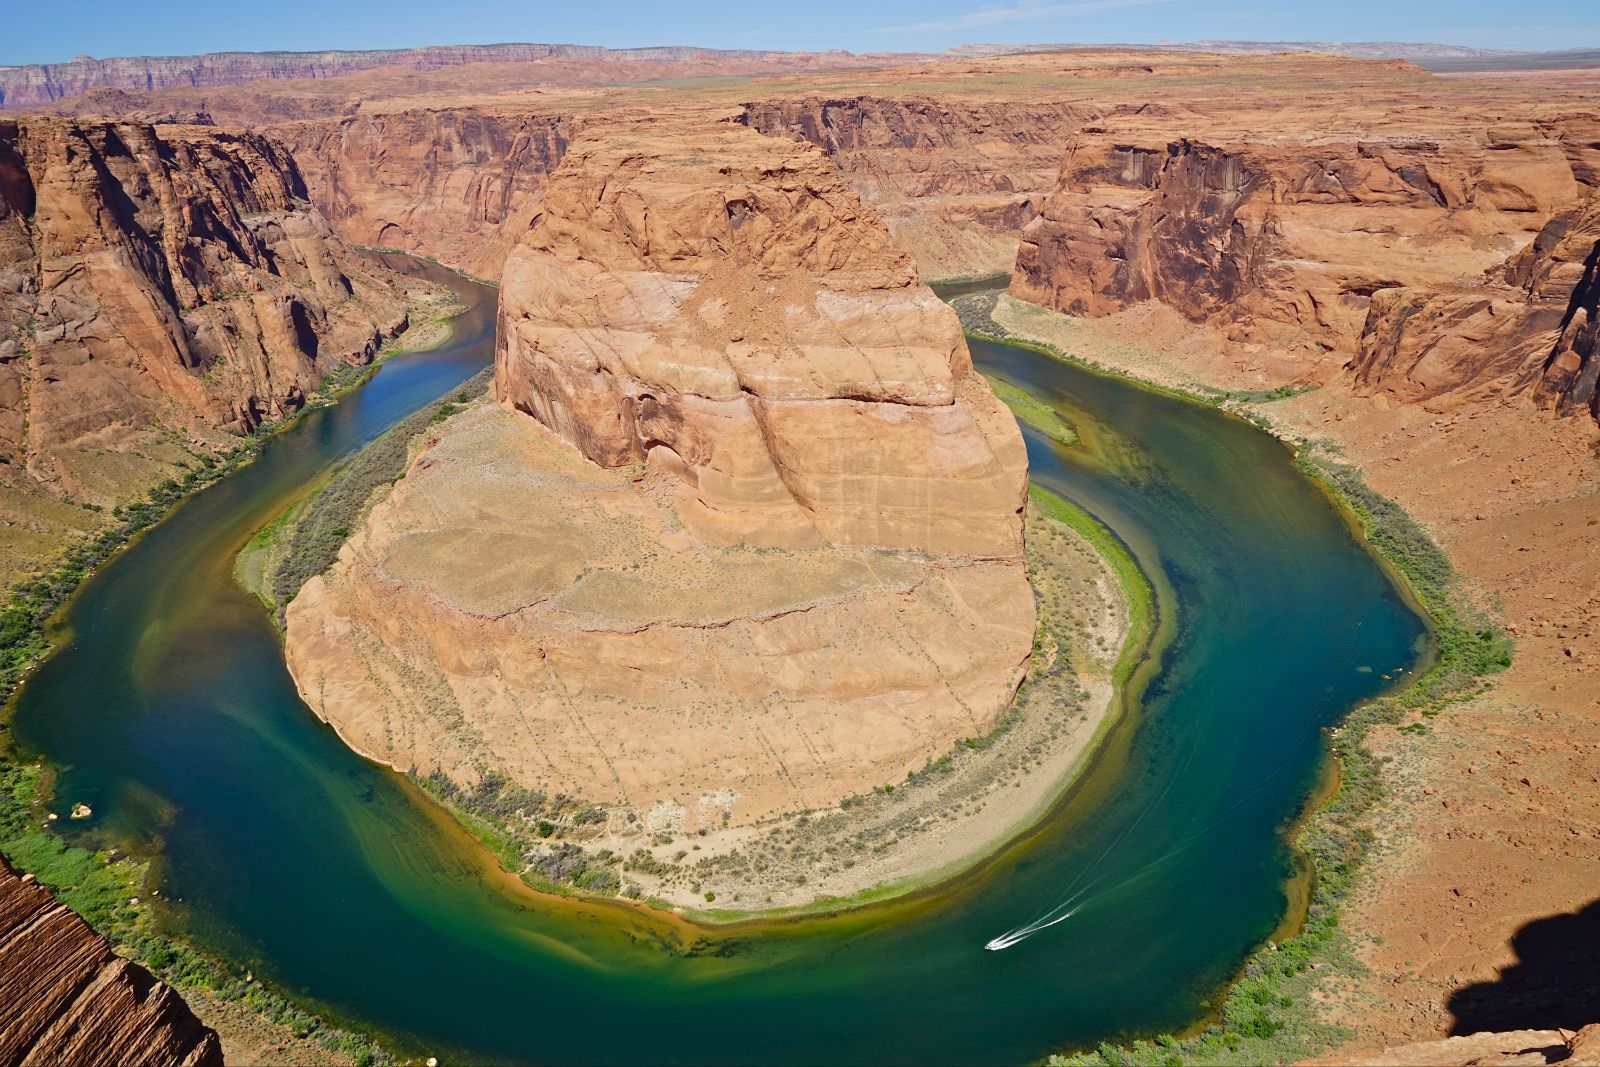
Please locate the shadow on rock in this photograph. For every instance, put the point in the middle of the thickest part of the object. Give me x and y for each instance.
(1554, 983)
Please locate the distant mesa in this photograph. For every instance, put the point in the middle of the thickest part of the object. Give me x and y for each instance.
(39, 84)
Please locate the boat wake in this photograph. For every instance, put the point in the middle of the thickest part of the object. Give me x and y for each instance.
(1078, 898)
(1022, 933)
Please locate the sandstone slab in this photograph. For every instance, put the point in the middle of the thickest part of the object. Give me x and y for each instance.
(65, 997)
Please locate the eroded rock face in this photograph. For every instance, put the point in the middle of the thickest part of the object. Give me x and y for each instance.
(1284, 242)
(170, 276)
(460, 184)
(758, 546)
(955, 180)
(718, 304)
(1531, 326)
(65, 997)
(1183, 226)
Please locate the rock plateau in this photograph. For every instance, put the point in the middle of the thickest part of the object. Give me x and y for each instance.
(34, 84)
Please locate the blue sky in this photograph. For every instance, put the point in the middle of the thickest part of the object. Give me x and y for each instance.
(53, 30)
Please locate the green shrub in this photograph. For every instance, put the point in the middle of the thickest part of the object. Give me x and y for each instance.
(324, 524)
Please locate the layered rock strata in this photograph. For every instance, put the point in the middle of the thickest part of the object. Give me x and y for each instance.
(1283, 243)
(759, 545)
(955, 180)
(1530, 326)
(169, 276)
(460, 184)
(65, 997)
(739, 318)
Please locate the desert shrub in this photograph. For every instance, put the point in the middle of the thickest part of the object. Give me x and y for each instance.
(339, 507)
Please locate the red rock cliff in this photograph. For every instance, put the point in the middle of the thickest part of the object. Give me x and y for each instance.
(719, 303)
(460, 184)
(1284, 241)
(1530, 326)
(165, 276)
(955, 180)
(65, 997)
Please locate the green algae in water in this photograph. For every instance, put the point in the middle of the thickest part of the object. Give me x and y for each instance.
(1041, 416)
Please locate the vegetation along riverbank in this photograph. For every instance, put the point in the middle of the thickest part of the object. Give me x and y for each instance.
(1268, 1015)
(107, 887)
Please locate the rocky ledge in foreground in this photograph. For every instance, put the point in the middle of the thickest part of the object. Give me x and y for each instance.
(759, 545)
(65, 997)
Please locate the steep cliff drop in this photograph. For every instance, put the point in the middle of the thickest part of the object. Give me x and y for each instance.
(460, 184)
(65, 997)
(159, 288)
(759, 545)
(1531, 326)
(1283, 246)
(954, 179)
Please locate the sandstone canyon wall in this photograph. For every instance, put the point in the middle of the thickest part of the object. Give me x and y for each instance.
(66, 998)
(460, 184)
(758, 545)
(955, 179)
(1287, 242)
(1530, 326)
(165, 278)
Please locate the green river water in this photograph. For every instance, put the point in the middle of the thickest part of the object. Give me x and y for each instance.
(169, 710)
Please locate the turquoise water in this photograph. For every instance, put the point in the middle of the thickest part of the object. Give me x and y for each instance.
(170, 711)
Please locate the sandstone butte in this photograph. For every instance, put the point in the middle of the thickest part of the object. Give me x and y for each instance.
(1413, 244)
(65, 997)
(758, 522)
(159, 287)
